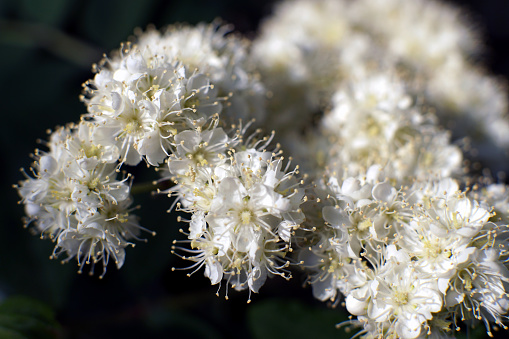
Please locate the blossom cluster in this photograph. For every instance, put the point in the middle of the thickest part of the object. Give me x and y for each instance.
(171, 100)
(307, 49)
(386, 217)
(374, 121)
(245, 207)
(413, 245)
(76, 199)
(148, 93)
(410, 260)
(412, 253)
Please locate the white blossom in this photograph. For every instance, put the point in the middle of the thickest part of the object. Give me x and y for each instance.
(76, 200)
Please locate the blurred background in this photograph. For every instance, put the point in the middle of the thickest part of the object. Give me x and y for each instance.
(46, 52)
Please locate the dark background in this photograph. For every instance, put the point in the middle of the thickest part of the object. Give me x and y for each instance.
(46, 51)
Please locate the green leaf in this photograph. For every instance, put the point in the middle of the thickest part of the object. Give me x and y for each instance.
(28, 326)
(22, 317)
(21, 305)
(6, 333)
(276, 319)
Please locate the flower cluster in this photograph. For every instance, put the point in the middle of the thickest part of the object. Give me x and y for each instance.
(168, 99)
(409, 260)
(76, 200)
(169, 83)
(399, 231)
(374, 121)
(308, 49)
(245, 207)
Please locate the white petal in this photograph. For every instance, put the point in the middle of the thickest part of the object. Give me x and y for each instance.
(356, 306)
(383, 191)
(213, 271)
(323, 289)
(408, 328)
(257, 278)
(335, 217)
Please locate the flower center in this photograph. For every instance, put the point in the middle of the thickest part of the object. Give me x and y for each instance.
(457, 220)
(364, 225)
(92, 185)
(432, 249)
(466, 278)
(192, 102)
(199, 157)
(133, 126)
(400, 297)
(91, 150)
(152, 91)
(246, 216)
(372, 127)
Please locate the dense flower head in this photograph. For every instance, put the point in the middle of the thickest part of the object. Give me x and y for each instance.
(404, 254)
(211, 50)
(413, 25)
(167, 83)
(245, 207)
(141, 107)
(373, 120)
(309, 49)
(75, 198)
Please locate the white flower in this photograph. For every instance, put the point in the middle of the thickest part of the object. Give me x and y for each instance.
(403, 296)
(223, 58)
(458, 215)
(473, 104)
(87, 151)
(100, 236)
(373, 122)
(494, 196)
(296, 54)
(146, 103)
(479, 288)
(76, 200)
(196, 149)
(245, 209)
(413, 25)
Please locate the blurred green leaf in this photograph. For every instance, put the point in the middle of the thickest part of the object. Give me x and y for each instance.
(276, 319)
(22, 317)
(51, 12)
(41, 35)
(10, 334)
(28, 307)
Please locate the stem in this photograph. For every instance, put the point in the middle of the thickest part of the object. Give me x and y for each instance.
(53, 40)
